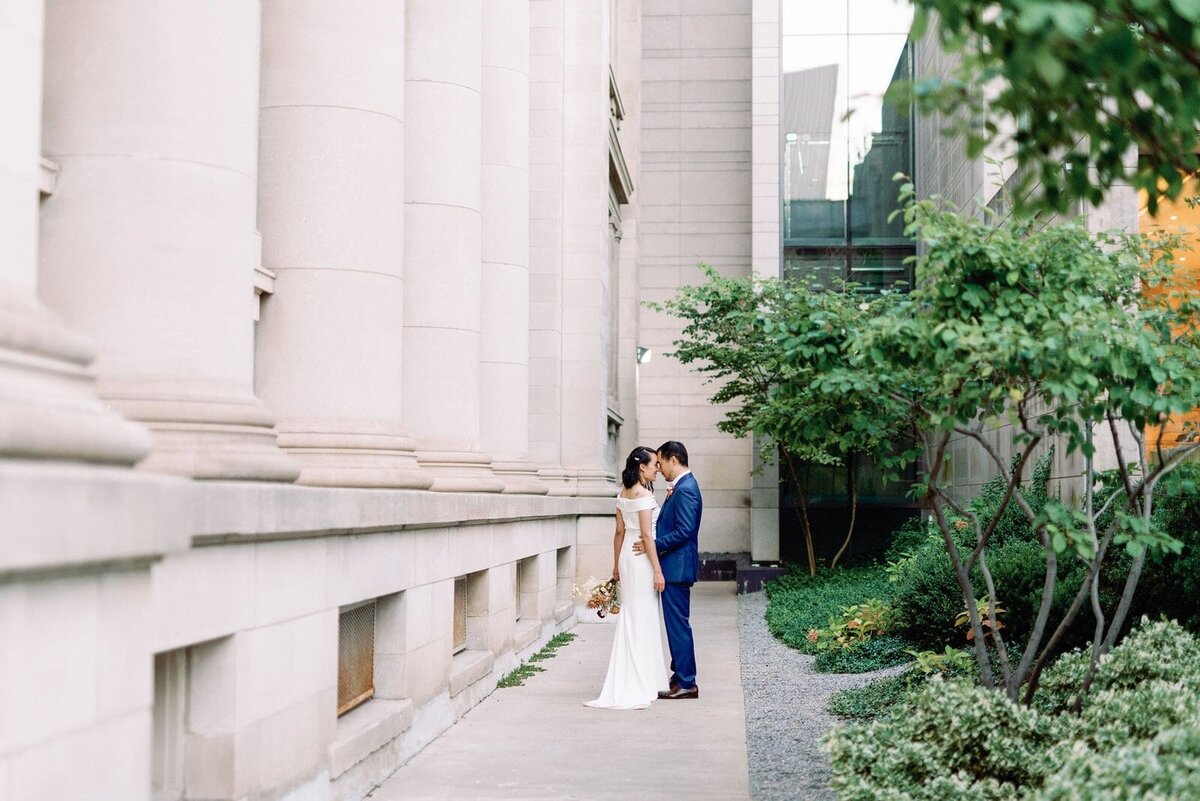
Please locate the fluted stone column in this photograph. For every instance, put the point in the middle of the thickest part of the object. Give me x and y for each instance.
(546, 126)
(504, 416)
(149, 242)
(48, 405)
(442, 242)
(331, 210)
(586, 248)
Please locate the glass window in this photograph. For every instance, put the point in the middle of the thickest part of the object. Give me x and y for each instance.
(802, 17)
(841, 144)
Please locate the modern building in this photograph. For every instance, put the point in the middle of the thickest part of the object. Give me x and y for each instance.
(322, 339)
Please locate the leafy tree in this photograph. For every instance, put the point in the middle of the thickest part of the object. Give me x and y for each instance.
(739, 332)
(1049, 329)
(1078, 86)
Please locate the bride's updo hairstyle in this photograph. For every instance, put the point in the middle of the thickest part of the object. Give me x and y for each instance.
(637, 457)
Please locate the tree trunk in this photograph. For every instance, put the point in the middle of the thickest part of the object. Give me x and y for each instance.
(808, 538)
(852, 490)
(802, 514)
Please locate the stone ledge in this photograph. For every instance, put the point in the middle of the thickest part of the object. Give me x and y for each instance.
(526, 631)
(468, 667)
(364, 730)
(231, 511)
(62, 515)
(563, 611)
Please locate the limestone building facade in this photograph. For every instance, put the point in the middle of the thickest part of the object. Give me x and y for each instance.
(321, 337)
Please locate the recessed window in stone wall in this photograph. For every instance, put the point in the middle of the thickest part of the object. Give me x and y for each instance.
(170, 725)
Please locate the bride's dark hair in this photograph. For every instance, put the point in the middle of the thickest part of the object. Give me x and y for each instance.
(637, 457)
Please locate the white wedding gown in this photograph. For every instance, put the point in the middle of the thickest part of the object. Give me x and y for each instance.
(636, 668)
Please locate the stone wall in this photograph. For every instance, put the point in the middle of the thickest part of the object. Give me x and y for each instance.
(303, 306)
(695, 206)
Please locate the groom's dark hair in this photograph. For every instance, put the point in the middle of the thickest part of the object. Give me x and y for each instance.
(670, 449)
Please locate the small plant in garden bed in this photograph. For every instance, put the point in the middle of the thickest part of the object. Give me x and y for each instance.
(864, 656)
(950, 662)
(872, 700)
(526, 670)
(989, 618)
(799, 603)
(857, 622)
(857, 641)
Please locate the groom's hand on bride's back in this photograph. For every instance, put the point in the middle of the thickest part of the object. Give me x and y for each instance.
(638, 548)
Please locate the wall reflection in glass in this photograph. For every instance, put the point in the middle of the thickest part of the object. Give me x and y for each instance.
(841, 143)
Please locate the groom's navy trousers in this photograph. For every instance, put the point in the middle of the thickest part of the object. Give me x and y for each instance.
(677, 542)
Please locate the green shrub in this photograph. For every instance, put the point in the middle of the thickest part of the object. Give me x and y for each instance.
(1158, 651)
(1160, 769)
(1014, 525)
(927, 598)
(1170, 584)
(863, 656)
(877, 697)
(947, 740)
(798, 603)
(911, 535)
(1116, 716)
(1135, 739)
(874, 698)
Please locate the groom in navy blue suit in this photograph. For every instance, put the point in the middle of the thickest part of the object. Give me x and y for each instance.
(679, 555)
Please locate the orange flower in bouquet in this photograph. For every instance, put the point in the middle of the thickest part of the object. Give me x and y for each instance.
(603, 596)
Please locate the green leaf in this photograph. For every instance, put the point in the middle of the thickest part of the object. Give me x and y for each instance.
(1049, 67)
(1188, 9)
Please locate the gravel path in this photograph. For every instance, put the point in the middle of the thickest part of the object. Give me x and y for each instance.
(785, 711)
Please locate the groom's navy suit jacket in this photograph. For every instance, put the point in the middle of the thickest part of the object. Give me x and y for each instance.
(677, 538)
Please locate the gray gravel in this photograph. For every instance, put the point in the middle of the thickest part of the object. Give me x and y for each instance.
(785, 711)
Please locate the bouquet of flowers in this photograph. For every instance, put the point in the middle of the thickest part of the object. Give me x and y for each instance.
(601, 595)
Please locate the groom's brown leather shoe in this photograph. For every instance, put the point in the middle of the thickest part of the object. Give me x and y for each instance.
(676, 693)
(665, 693)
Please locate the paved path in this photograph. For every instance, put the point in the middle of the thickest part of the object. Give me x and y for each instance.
(539, 741)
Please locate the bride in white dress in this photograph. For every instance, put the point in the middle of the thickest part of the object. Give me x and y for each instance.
(636, 668)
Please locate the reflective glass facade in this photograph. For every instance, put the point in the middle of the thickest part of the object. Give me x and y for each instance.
(841, 144)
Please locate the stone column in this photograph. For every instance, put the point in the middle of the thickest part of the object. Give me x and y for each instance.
(504, 416)
(331, 210)
(48, 406)
(148, 242)
(546, 242)
(442, 242)
(586, 248)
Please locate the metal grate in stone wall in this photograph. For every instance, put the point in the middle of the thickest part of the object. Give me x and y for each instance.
(356, 656)
(460, 614)
(517, 571)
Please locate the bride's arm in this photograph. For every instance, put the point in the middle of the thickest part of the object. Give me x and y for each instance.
(646, 523)
(618, 541)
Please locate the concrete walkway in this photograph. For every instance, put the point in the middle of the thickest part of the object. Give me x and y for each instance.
(538, 741)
